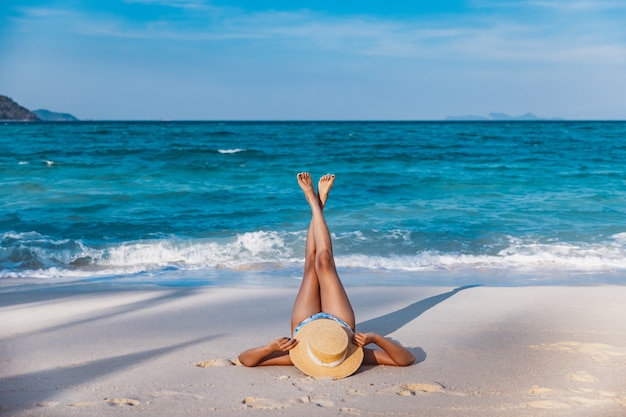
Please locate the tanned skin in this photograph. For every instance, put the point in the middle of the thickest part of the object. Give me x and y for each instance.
(321, 290)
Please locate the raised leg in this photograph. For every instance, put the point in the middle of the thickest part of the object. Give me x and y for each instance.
(332, 296)
(308, 300)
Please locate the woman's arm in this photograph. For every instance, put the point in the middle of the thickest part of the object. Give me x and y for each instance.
(274, 353)
(391, 353)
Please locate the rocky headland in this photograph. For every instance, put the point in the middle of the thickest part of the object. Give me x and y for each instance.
(11, 111)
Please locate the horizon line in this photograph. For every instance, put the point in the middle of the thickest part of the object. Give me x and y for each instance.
(555, 120)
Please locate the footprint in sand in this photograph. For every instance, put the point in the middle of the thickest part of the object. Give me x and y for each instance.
(323, 403)
(259, 403)
(540, 390)
(597, 351)
(320, 402)
(582, 376)
(547, 404)
(419, 388)
(215, 363)
(122, 401)
(349, 410)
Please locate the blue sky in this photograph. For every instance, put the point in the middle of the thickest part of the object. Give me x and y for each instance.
(323, 60)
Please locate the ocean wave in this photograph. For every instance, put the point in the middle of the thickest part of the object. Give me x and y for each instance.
(229, 151)
(35, 255)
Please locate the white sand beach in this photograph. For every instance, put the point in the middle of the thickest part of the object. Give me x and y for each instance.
(76, 350)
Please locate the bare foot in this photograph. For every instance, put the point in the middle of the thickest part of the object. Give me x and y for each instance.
(305, 182)
(323, 187)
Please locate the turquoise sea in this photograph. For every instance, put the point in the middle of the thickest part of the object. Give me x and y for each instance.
(217, 203)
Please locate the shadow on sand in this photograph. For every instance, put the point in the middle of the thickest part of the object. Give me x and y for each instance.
(393, 321)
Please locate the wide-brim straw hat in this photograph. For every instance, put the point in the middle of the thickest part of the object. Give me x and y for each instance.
(325, 349)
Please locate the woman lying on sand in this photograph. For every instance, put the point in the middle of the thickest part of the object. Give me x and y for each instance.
(323, 340)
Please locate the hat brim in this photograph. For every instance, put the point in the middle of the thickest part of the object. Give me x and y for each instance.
(301, 359)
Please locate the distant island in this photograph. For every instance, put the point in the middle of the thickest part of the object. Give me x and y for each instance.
(498, 117)
(50, 116)
(11, 111)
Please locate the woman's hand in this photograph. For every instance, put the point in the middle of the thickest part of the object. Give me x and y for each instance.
(361, 339)
(283, 344)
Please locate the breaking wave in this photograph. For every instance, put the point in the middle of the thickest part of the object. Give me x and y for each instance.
(35, 255)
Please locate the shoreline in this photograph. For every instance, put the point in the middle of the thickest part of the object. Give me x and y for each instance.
(290, 278)
(481, 351)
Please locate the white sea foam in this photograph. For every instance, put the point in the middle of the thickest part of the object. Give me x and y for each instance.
(620, 238)
(247, 248)
(524, 256)
(588, 261)
(231, 150)
(34, 255)
(22, 236)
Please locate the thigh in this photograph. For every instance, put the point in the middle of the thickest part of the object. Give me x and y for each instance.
(334, 299)
(308, 301)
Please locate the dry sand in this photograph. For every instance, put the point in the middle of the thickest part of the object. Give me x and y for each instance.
(523, 351)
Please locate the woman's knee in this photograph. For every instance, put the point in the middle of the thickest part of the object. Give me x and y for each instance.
(324, 259)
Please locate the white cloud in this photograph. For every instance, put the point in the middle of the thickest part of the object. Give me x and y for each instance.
(178, 4)
(558, 5)
(32, 13)
(306, 24)
(488, 38)
(578, 5)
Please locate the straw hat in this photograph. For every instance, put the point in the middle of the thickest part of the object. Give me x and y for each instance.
(325, 349)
